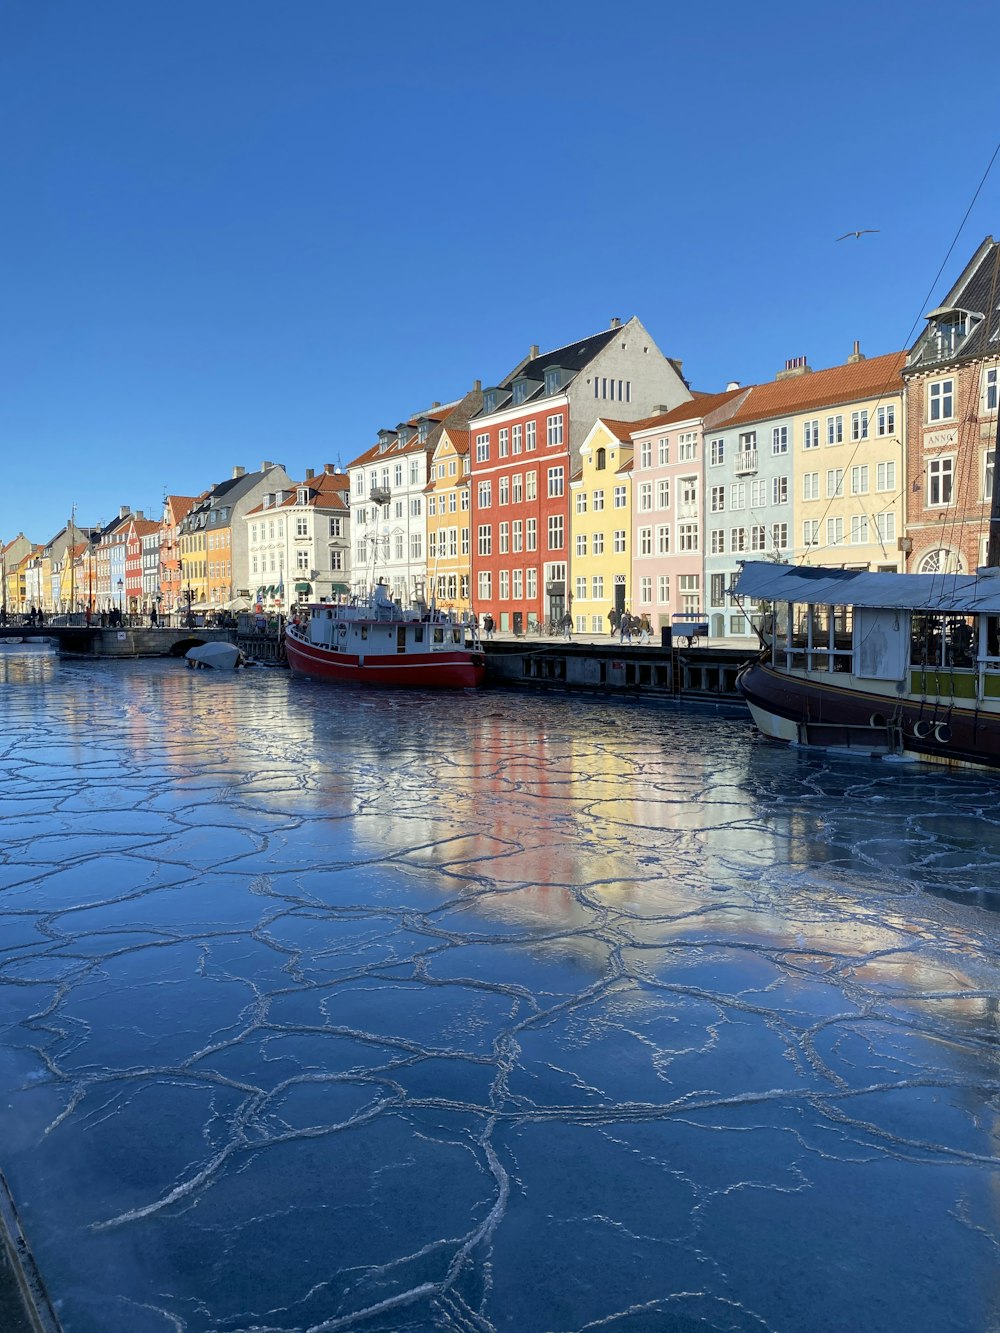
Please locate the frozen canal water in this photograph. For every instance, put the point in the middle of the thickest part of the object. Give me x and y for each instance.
(342, 1011)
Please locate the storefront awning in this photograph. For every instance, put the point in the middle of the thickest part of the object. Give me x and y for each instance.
(303, 587)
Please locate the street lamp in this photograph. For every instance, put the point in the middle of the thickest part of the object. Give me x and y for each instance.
(121, 585)
(189, 598)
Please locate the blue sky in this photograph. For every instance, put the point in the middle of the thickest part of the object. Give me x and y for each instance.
(235, 230)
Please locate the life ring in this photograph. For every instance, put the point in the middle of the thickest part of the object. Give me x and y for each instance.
(922, 730)
(942, 733)
(877, 720)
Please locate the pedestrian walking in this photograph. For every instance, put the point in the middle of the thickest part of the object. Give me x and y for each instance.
(566, 625)
(489, 625)
(613, 620)
(626, 627)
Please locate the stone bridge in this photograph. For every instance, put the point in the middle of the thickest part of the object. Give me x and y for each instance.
(93, 641)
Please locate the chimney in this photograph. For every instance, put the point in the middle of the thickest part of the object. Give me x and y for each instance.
(533, 351)
(435, 403)
(328, 469)
(733, 384)
(309, 474)
(266, 466)
(239, 472)
(857, 355)
(615, 322)
(123, 512)
(794, 366)
(477, 386)
(139, 514)
(659, 410)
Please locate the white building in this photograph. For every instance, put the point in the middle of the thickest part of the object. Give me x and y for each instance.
(298, 541)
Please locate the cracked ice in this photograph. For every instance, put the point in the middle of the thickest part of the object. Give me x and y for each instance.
(326, 1010)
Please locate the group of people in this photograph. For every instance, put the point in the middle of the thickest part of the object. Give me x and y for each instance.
(627, 626)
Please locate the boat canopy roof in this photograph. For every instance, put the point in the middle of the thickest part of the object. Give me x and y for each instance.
(816, 586)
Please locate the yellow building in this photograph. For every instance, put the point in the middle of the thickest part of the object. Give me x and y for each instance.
(449, 562)
(600, 527)
(849, 476)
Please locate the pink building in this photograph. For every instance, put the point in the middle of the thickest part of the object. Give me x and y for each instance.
(668, 504)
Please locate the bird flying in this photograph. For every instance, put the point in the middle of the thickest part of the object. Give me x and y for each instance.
(865, 231)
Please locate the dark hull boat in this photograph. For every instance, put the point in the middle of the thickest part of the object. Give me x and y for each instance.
(903, 665)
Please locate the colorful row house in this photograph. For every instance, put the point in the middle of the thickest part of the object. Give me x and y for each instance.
(302, 533)
(526, 446)
(590, 479)
(952, 393)
(389, 486)
(448, 542)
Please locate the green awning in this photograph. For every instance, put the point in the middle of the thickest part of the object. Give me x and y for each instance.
(303, 587)
(340, 587)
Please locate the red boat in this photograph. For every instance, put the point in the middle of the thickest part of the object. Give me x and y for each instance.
(374, 642)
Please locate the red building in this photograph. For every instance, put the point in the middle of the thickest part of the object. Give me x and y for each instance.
(524, 447)
(138, 528)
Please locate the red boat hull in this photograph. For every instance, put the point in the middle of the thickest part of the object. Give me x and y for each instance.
(448, 669)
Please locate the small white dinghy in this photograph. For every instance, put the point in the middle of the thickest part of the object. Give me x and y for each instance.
(221, 656)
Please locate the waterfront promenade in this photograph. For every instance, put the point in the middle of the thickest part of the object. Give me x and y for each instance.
(384, 1011)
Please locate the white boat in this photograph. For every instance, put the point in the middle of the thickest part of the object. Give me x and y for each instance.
(219, 656)
(903, 665)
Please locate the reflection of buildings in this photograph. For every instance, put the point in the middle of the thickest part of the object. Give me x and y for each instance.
(27, 664)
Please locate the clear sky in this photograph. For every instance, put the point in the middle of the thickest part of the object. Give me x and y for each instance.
(236, 230)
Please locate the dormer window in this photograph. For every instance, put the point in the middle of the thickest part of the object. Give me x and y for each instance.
(423, 429)
(600, 460)
(553, 379)
(490, 400)
(948, 330)
(303, 496)
(519, 392)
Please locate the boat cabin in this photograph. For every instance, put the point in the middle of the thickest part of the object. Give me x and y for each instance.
(380, 626)
(928, 634)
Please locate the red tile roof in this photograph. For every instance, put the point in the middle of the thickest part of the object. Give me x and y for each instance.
(823, 388)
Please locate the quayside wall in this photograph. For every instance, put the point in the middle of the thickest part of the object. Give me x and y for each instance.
(692, 673)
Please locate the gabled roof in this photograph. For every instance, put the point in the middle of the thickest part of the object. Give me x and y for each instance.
(177, 506)
(698, 408)
(144, 527)
(328, 490)
(456, 414)
(976, 294)
(871, 378)
(459, 440)
(573, 357)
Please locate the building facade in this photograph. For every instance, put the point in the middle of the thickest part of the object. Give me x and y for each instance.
(951, 375)
(525, 447)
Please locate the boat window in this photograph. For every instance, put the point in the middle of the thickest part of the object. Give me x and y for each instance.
(927, 641)
(364, 631)
(960, 641)
(439, 635)
(948, 641)
(993, 641)
(418, 633)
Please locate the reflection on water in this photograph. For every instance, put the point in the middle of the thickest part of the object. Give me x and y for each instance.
(27, 663)
(331, 1010)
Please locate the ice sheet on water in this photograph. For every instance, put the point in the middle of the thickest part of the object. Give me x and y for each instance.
(330, 1011)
